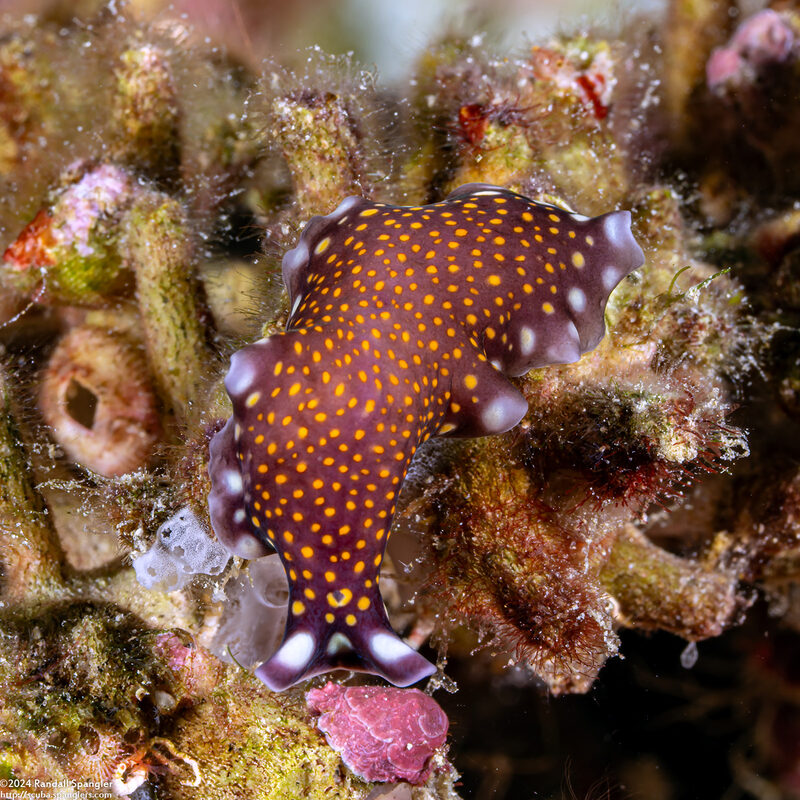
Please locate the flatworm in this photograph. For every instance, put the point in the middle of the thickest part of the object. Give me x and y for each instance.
(405, 322)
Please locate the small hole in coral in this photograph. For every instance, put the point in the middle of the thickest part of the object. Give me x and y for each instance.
(81, 403)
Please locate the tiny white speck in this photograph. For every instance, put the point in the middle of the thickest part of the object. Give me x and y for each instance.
(576, 298)
(239, 516)
(485, 193)
(296, 304)
(497, 364)
(579, 217)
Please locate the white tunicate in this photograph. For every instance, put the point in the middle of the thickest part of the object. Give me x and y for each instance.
(268, 578)
(254, 618)
(183, 548)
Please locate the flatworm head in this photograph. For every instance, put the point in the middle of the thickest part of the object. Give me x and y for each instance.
(404, 323)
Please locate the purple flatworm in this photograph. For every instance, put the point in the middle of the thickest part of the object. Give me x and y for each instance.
(405, 323)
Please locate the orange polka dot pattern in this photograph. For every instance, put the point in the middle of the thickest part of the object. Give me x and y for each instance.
(405, 322)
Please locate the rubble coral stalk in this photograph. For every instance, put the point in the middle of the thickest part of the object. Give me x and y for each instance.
(159, 247)
(29, 550)
(656, 589)
(146, 113)
(318, 140)
(694, 28)
(501, 156)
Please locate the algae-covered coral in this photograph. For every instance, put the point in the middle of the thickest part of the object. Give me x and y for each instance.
(151, 186)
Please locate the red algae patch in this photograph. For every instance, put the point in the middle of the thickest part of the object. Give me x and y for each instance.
(382, 733)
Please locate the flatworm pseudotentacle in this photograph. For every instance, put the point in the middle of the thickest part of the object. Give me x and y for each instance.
(405, 323)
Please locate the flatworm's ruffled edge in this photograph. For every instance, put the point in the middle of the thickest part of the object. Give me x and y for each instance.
(297, 259)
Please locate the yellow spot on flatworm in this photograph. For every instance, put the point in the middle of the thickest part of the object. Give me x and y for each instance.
(322, 245)
(547, 308)
(340, 598)
(578, 260)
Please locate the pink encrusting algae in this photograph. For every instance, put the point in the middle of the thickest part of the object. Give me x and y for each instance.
(382, 733)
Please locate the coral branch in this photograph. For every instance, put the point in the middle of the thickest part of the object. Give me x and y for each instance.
(29, 550)
(693, 29)
(317, 136)
(146, 114)
(657, 590)
(159, 247)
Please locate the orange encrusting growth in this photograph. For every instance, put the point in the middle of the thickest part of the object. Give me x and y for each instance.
(404, 322)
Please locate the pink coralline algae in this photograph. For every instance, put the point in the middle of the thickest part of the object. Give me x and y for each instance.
(383, 734)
